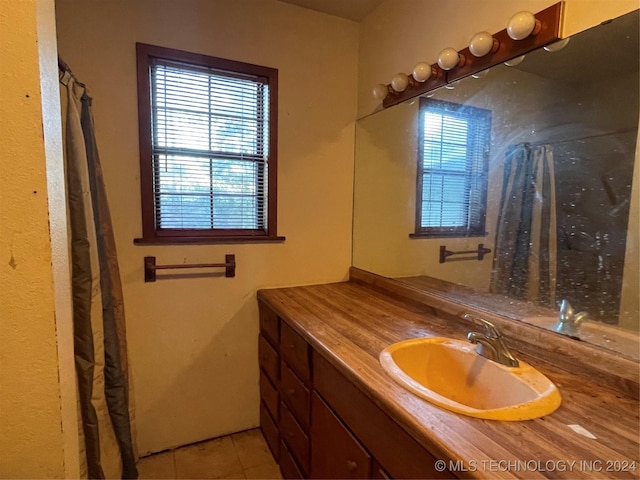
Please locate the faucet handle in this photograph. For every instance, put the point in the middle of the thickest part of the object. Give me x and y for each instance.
(490, 329)
(566, 310)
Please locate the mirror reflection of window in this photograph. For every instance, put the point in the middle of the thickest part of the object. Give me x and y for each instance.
(453, 153)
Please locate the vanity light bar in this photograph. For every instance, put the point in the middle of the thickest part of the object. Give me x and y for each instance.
(531, 31)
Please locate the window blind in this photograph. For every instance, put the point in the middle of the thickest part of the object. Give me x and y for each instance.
(210, 131)
(452, 173)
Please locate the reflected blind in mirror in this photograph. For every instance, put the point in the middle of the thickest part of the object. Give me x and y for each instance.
(453, 152)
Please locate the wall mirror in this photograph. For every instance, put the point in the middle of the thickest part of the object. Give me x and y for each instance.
(535, 162)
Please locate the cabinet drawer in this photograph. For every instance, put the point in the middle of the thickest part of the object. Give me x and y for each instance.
(269, 324)
(295, 395)
(269, 359)
(295, 437)
(395, 450)
(269, 395)
(288, 466)
(295, 352)
(335, 451)
(377, 472)
(269, 431)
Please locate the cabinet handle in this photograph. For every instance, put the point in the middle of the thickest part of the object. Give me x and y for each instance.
(351, 465)
(291, 392)
(291, 346)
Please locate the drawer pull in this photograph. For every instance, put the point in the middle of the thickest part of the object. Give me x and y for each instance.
(352, 466)
(291, 392)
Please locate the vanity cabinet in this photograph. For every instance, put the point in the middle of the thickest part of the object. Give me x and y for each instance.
(320, 425)
(336, 452)
(285, 393)
(269, 360)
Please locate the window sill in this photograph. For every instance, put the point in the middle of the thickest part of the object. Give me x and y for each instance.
(419, 236)
(205, 241)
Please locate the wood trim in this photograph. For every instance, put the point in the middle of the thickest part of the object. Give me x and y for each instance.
(150, 234)
(206, 240)
(143, 55)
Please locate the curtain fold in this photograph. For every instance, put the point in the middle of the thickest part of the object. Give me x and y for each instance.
(98, 309)
(525, 259)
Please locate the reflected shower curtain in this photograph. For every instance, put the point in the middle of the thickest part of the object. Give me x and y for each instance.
(98, 312)
(524, 265)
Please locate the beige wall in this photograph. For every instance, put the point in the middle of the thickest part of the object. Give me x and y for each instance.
(193, 342)
(38, 419)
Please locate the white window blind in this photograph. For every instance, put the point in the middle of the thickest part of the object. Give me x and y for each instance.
(210, 131)
(452, 168)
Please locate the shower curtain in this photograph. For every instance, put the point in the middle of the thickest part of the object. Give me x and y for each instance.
(525, 259)
(98, 312)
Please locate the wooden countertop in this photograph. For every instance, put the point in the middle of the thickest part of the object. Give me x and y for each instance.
(350, 324)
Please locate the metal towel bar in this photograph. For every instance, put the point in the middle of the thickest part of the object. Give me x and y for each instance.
(480, 253)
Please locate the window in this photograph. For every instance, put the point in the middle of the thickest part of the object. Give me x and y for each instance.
(453, 151)
(207, 148)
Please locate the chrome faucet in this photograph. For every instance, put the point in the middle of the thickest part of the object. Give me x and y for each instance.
(490, 344)
(569, 320)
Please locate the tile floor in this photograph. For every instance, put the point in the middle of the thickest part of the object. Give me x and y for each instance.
(241, 455)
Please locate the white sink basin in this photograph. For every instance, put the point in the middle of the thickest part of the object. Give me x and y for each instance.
(450, 374)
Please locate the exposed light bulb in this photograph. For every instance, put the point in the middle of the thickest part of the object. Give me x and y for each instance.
(400, 82)
(521, 25)
(380, 91)
(422, 72)
(481, 44)
(449, 59)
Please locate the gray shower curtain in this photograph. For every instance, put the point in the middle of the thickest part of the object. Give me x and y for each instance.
(98, 312)
(525, 259)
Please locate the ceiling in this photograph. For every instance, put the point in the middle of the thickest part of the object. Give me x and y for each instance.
(350, 9)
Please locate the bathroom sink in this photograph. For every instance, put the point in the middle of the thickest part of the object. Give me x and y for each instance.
(450, 374)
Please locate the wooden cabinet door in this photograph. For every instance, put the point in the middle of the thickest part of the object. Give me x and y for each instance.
(269, 324)
(335, 452)
(295, 352)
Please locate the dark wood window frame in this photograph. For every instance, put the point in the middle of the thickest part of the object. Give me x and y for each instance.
(476, 146)
(151, 234)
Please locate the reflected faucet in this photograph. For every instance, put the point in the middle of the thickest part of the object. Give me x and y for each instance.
(569, 321)
(490, 344)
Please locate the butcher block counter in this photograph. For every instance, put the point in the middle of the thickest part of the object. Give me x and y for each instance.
(593, 434)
